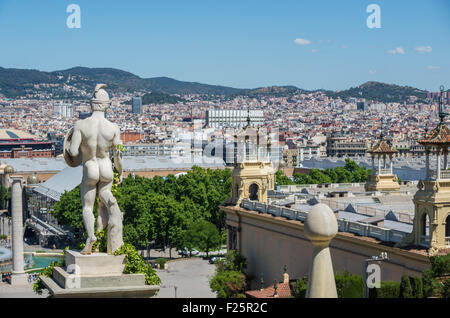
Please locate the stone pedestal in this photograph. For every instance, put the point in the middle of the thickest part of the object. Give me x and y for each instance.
(388, 182)
(96, 275)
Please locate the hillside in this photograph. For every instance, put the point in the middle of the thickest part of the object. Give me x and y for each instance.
(381, 92)
(17, 82)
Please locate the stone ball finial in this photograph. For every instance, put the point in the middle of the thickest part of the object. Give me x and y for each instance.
(8, 169)
(32, 179)
(321, 223)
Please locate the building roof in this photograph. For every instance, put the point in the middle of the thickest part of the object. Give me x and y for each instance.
(15, 134)
(283, 291)
(438, 136)
(382, 147)
(65, 180)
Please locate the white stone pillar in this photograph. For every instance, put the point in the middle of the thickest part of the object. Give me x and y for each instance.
(438, 168)
(321, 227)
(445, 158)
(390, 163)
(18, 276)
(373, 164)
(379, 165)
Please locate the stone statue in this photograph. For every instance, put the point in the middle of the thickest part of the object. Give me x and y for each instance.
(89, 142)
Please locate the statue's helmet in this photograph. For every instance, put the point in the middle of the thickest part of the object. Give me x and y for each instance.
(100, 101)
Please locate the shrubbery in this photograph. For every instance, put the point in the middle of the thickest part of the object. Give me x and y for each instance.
(230, 280)
(349, 286)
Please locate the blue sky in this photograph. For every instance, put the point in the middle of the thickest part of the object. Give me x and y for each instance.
(246, 43)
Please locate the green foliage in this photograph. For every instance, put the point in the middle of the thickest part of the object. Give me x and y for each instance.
(5, 195)
(228, 284)
(68, 210)
(230, 281)
(388, 289)
(446, 289)
(418, 287)
(405, 287)
(135, 264)
(204, 236)
(282, 179)
(299, 288)
(3, 237)
(351, 172)
(349, 286)
(440, 265)
(161, 261)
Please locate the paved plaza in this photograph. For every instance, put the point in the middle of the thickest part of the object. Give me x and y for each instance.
(190, 275)
(8, 291)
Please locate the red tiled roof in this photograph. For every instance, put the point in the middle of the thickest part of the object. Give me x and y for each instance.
(439, 135)
(382, 147)
(283, 291)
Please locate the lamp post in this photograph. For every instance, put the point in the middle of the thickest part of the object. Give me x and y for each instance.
(382, 257)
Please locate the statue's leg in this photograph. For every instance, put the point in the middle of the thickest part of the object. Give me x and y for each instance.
(88, 199)
(115, 217)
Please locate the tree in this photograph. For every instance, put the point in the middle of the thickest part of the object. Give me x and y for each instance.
(299, 288)
(282, 179)
(228, 284)
(349, 286)
(5, 195)
(405, 287)
(206, 236)
(418, 287)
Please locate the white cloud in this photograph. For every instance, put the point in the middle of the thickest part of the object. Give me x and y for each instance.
(398, 50)
(433, 67)
(302, 41)
(371, 72)
(314, 50)
(424, 49)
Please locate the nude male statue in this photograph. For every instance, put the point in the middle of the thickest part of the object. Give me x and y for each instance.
(90, 142)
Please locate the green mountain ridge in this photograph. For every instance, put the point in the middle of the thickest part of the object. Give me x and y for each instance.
(18, 82)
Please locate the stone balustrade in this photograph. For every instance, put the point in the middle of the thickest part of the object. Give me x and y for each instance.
(362, 229)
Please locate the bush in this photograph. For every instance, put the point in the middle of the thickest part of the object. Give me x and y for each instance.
(440, 265)
(349, 286)
(228, 284)
(418, 287)
(299, 288)
(38, 285)
(446, 289)
(161, 261)
(405, 287)
(135, 264)
(388, 289)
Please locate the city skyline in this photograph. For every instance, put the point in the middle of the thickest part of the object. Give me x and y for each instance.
(321, 45)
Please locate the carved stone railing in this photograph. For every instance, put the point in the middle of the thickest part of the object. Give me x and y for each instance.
(362, 229)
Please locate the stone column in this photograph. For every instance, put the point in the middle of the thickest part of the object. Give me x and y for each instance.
(379, 164)
(427, 163)
(321, 227)
(373, 164)
(445, 158)
(390, 163)
(18, 276)
(438, 168)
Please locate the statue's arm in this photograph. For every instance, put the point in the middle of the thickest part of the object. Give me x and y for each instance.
(75, 142)
(117, 152)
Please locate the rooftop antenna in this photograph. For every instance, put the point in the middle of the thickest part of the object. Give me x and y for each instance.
(442, 114)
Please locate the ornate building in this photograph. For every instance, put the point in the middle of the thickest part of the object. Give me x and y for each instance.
(382, 178)
(432, 201)
(253, 174)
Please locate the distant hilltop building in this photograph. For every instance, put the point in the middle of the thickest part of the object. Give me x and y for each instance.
(63, 110)
(136, 107)
(233, 118)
